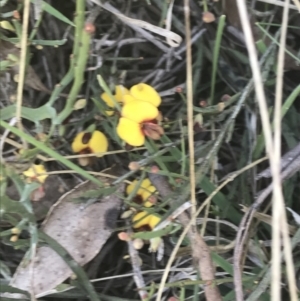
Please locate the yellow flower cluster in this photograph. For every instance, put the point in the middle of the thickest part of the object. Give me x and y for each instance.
(139, 113)
(139, 118)
(144, 193)
(36, 172)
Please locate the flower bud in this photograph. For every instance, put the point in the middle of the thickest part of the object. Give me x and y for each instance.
(138, 243)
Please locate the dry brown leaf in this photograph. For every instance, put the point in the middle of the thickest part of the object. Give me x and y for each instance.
(81, 229)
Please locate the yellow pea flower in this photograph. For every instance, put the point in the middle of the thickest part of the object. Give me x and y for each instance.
(146, 93)
(131, 132)
(138, 120)
(36, 172)
(120, 93)
(144, 219)
(87, 143)
(143, 193)
(139, 111)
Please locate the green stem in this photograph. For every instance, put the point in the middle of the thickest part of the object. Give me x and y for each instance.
(36, 27)
(79, 68)
(79, 23)
(78, 63)
(216, 58)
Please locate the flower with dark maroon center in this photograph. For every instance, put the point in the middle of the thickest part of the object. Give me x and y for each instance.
(144, 194)
(89, 143)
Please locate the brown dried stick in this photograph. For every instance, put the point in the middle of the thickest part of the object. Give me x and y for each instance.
(135, 263)
(200, 251)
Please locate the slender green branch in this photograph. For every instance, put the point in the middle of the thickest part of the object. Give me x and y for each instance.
(79, 69)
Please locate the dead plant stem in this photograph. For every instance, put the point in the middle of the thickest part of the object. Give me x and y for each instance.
(22, 68)
(279, 220)
(189, 87)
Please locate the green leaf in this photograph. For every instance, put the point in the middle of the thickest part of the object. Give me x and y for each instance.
(34, 115)
(49, 42)
(11, 206)
(94, 195)
(216, 51)
(19, 183)
(221, 262)
(4, 270)
(220, 200)
(153, 234)
(5, 65)
(52, 11)
(4, 288)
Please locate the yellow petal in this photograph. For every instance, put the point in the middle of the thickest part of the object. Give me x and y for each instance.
(98, 142)
(119, 95)
(35, 172)
(148, 204)
(145, 92)
(147, 192)
(139, 111)
(130, 132)
(131, 186)
(141, 219)
(109, 113)
(146, 183)
(121, 92)
(128, 98)
(109, 101)
(144, 191)
(77, 145)
(154, 220)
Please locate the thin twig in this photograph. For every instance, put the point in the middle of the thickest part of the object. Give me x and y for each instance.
(137, 273)
(279, 221)
(189, 96)
(286, 160)
(4, 137)
(22, 68)
(277, 201)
